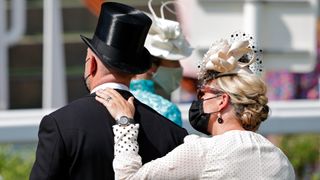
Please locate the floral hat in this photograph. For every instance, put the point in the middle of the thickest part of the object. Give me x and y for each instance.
(237, 54)
(165, 38)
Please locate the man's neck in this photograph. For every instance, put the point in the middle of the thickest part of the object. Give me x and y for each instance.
(109, 80)
(111, 85)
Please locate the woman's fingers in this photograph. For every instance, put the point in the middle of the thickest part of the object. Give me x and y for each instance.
(102, 94)
(115, 103)
(101, 100)
(130, 100)
(113, 93)
(131, 105)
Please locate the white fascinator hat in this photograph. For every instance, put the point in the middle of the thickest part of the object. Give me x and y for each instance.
(237, 54)
(165, 38)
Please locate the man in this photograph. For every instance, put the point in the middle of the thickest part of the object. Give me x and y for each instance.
(76, 141)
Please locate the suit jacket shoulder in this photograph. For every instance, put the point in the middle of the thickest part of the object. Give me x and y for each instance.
(76, 141)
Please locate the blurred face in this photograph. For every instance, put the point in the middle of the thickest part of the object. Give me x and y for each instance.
(205, 109)
(209, 95)
(170, 63)
(168, 75)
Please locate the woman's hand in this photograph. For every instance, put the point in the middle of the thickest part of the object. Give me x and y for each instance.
(115, 103)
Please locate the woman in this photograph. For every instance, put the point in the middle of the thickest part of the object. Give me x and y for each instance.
(167, 45)
(232, 104)
(143, 88)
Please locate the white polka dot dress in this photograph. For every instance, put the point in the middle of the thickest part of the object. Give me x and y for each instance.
(232, 155)
(125, 138)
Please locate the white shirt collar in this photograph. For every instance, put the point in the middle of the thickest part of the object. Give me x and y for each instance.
(110, 85)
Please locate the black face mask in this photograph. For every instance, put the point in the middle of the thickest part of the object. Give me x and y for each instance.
(84, 80)
(198, 119)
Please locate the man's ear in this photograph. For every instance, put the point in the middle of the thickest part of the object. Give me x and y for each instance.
(93, 66)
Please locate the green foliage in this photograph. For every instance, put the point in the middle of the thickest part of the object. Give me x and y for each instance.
(16, 161)
(303, 152)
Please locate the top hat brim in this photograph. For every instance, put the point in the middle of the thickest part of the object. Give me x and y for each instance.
(114, 58)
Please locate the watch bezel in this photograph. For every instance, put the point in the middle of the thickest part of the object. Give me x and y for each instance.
(124, 120)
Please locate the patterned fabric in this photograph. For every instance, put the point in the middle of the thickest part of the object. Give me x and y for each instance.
(144, 91)
(308, 86)
(126, 142)
(284, 85)
(281, 85)
(232, 155)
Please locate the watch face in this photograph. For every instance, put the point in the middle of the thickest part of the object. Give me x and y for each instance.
(123, 120)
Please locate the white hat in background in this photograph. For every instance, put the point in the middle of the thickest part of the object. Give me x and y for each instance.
(165, 38)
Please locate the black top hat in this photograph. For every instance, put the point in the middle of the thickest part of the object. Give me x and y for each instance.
(119, 38)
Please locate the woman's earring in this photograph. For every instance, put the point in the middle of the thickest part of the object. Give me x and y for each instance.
(219, 119)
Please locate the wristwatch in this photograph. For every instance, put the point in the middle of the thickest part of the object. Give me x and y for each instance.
(124, 120)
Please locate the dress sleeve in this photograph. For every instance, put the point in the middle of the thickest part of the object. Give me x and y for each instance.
(50, 155)
(184, 162)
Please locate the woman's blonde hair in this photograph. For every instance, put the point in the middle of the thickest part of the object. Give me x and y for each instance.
(235, 63)
(248, 96)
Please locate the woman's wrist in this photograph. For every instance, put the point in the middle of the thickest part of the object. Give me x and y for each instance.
(124, 120)
(125, 139)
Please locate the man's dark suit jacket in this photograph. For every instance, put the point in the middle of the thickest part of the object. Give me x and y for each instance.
(76, 141)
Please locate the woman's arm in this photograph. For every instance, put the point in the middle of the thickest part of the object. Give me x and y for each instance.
(187, 161)
(184, 162)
